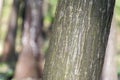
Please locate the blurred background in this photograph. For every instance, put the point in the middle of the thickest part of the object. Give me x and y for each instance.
(23, 22)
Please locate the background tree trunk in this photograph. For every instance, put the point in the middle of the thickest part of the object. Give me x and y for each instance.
(109, 71)
(1, 5)
(9, 45)
(30, 59)
(79, 39)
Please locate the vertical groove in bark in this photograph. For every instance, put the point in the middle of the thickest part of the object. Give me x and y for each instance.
(109, 71)
(9, 45)
(78, 41)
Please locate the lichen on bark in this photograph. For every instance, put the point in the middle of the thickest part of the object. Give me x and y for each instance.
(78, 40)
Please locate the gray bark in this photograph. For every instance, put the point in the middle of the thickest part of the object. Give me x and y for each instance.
(78, 42)
(109, 71)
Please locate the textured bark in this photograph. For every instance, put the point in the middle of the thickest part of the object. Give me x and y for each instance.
(9, 45)
(109, 71)
(30, 60)
(79, 37)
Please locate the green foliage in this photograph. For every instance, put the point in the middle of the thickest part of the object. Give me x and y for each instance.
(117, 16)
(117, 12)
(5, 71)
(49, 15)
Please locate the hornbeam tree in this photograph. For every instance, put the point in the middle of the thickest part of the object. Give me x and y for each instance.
(79, 38)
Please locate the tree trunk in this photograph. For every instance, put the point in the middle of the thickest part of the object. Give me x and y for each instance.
(78, 41)
(1, 5)
(36, 31)
(30, 59)
(9, 45)
(109, 71)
